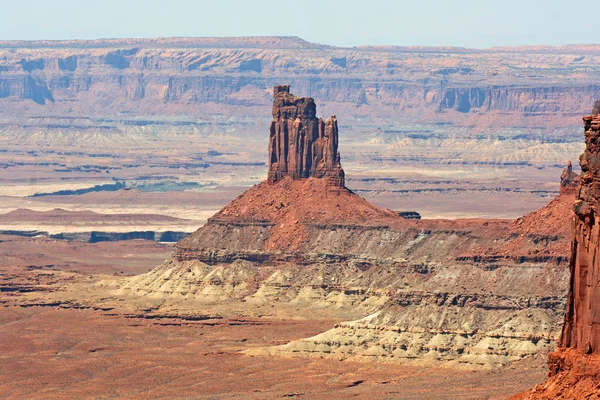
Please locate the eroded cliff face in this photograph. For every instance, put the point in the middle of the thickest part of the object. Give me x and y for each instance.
(466, 293)
(300, 144)
(574, 370)
(582, 323)
(473, 293)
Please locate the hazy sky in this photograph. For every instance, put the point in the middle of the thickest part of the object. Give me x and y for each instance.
(472, 23)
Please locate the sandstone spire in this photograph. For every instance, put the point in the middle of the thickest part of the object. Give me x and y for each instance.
(300, 144)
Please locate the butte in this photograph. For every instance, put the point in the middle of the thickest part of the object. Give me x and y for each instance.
(304, 190)
(469, 293)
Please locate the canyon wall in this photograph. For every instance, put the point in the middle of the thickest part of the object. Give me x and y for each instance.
(509, 107)
(496, 87)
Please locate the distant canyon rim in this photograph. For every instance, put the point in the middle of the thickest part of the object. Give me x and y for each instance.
(447, 132)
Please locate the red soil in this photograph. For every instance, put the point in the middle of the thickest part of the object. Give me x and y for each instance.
(125, 257)
(292, 204)
(66, 353)
(310, 200)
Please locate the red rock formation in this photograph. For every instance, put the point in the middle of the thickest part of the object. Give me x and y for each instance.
(569, 180)
(582, 323)
(574, 370)
(302, 145)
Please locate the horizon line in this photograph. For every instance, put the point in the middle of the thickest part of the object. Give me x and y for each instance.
(182, 39)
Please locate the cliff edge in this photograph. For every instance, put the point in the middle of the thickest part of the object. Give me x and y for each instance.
(574, 369)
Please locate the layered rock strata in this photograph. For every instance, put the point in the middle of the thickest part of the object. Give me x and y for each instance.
(476, 293)
(436, 291)
(582, 322)
(300, 144)
(174, 76)
(569, 179)
(472, 293)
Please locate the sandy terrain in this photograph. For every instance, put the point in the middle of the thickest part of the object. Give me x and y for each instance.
(57, 353)
(61, 221)
(58, 349)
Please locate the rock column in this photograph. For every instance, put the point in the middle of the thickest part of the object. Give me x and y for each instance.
(300, 144)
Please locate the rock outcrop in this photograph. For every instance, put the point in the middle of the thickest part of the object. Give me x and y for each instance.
(300, 144)
(474, 293)
(569, 180)
(574, 369)
(171, 77)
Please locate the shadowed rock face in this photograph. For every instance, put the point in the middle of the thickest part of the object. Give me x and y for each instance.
(300, 144)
